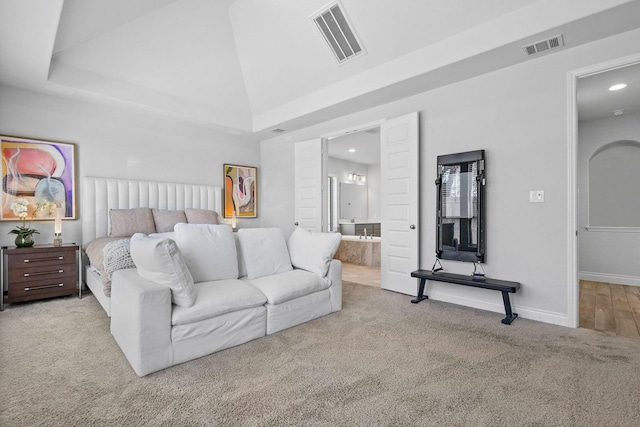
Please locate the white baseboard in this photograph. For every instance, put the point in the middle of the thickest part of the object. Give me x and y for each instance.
(554, 318)
(609, 278)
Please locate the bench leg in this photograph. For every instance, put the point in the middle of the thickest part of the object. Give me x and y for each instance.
(421, 296)
(507, 308)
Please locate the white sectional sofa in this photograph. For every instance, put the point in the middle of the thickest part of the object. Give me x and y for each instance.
(203, 289)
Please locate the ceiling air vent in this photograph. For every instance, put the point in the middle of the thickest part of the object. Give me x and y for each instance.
(544, 45)
(334, 27)
(277, 130)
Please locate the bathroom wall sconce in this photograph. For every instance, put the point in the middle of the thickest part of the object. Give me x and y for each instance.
(356, 177)
(57, 228)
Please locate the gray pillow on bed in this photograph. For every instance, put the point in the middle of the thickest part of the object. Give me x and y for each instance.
(127, 222)
(165, 219)
(201, 216)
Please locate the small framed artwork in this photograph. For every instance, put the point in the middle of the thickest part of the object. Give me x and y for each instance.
(240, 191)
(40, 175)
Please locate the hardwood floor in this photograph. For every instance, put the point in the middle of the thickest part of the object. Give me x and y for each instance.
(613, 309)
(361, 274)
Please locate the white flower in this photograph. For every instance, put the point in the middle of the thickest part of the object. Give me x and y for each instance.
(19, 207)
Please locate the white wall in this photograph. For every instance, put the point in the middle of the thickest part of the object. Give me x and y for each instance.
(519, 116)
(605, 255)
(120, 143)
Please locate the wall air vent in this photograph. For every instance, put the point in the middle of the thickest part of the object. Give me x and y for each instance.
(334, 27)
(544, 45)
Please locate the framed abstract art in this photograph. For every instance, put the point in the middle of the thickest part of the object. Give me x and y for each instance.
(40, 174)
(240, 191)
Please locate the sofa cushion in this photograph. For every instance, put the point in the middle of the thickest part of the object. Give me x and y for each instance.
(165, 219)
(313, 251)
(209, 251)
(166, 235)
(160, 261)
(127, 222)
(218, 297)
(279, 288)
(242, 266)
(201, 216)
(264, 251)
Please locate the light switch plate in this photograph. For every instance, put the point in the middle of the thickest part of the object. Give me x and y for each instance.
(536, 196)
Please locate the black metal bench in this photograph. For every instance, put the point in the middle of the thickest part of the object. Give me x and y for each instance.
(503, 286)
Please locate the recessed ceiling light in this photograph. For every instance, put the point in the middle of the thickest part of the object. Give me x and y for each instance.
(618, 86)
(618, 112)
(352, 150)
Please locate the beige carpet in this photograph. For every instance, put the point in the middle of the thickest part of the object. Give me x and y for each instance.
(381, 361)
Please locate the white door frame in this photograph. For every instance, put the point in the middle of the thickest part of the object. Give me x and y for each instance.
(358, 128)
(573, 288)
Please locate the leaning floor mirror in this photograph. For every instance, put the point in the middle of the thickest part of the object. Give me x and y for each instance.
(460, 211)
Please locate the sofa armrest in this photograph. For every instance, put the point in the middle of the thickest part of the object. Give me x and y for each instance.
(141, 321)
(335, 275)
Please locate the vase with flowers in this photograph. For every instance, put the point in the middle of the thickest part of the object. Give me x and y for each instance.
(24, 234)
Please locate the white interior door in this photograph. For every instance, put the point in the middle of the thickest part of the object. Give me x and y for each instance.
(399, 200)
(309, 157)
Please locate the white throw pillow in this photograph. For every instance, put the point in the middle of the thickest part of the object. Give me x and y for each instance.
(313, 251)
(264, 251)
(209, 250)
(160, 261)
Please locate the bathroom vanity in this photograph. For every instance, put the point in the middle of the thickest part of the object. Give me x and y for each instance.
(358, 227)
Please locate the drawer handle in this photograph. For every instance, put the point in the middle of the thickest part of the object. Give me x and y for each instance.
(35, 288)
(44, 259)
(42, 272)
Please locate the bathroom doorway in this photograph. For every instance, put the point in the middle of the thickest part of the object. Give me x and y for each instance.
(353, 201)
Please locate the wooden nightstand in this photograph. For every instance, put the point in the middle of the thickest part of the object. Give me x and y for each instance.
(42, 271)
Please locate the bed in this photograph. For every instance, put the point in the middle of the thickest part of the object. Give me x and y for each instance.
(100, 195)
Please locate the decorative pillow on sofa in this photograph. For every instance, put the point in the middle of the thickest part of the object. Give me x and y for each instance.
(165, 219)
(201, 216)
(264, 251)
(209, 251)
(313, 251)
(160, 261)
(127, 222)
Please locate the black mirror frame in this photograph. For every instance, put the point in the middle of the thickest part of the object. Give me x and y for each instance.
(479, 254)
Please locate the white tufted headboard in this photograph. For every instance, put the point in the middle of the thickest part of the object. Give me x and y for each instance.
(101, 194)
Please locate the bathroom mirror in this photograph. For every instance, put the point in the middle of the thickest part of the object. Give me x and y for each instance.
(460, 207)
(353, 201)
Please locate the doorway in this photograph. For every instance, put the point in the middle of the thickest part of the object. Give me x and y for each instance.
(600, 117)
(353, 169)
(399, 197)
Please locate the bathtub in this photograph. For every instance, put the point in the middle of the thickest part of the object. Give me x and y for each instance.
(359, 251)
(361, 239)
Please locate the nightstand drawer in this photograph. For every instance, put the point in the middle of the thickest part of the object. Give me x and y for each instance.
(48, 272)
(40, 288)
(42, 260)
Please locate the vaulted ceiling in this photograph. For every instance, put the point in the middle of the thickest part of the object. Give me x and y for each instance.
(249, 66)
